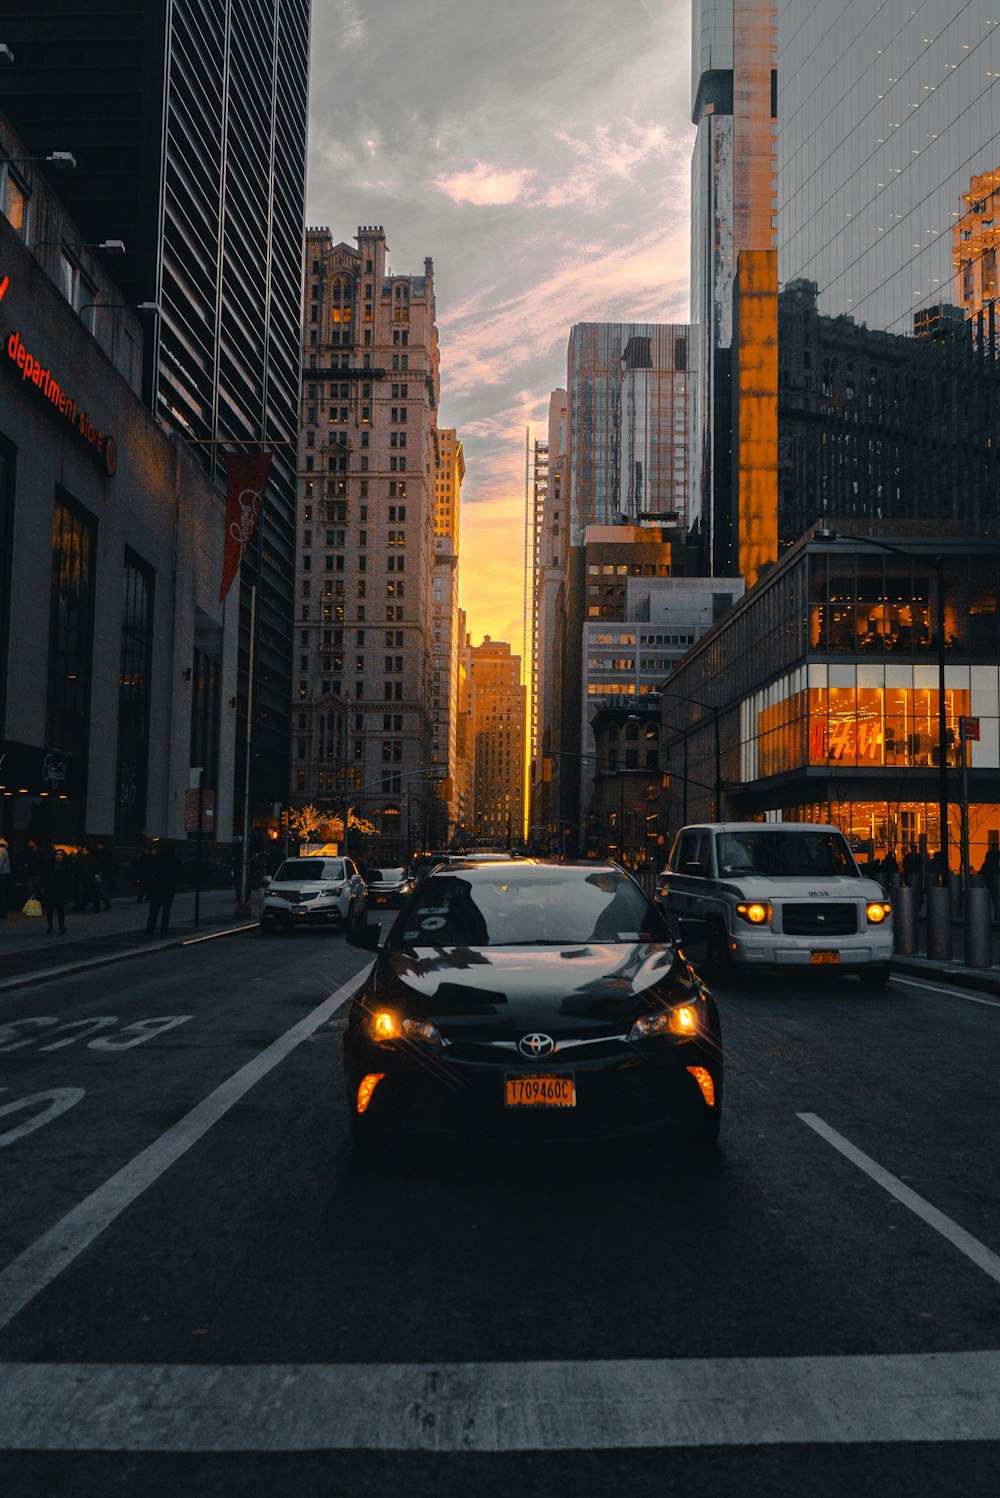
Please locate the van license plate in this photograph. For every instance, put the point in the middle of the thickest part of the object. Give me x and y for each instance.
(824, 956)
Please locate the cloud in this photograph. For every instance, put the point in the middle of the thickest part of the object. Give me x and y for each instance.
(484, 185)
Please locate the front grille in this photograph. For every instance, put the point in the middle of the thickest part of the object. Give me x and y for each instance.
(819, 920)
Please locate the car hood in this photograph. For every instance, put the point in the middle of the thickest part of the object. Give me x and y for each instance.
(304, 884)
(501, 988)
(828, 887)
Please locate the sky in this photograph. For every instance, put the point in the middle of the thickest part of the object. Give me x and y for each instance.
(539, 152)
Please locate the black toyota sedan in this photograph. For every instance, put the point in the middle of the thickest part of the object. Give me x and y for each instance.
(528, 1000)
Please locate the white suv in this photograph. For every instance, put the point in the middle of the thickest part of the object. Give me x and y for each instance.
(780, 895)
(314, 891)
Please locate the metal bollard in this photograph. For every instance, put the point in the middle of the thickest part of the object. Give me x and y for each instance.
(915, 883)
(904, 920)
(955, 894)
(978, 933)
(939, 923)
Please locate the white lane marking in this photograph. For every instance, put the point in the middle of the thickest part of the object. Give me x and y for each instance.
(192, 941)
(500, 1407)
(983, 1257)
(35, 1268)
(953, 993)
(59, 1099)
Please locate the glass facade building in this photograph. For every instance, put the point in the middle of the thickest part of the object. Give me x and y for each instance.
(886, 115)
(824, 680)
(628, 436)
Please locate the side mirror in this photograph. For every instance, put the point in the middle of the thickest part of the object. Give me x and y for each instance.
(365, 937)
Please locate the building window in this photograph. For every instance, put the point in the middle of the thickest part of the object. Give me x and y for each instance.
(14, 199)
(135, 652)
(71, 624)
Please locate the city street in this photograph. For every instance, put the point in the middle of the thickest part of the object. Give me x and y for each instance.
(203, 1292)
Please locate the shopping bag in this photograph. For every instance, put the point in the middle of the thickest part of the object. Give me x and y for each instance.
(32, 907)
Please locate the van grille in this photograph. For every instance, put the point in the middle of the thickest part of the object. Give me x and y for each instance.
(819, 920)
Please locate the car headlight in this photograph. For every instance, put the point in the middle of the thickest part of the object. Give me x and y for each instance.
(878, 911)
(385, 1025)
(683, 1022)
(755, 912)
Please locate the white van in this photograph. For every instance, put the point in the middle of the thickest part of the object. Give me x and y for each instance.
(779, 895)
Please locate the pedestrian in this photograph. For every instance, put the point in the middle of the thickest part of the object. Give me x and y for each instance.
(55, 885)
(4, 877)
(164, 869)
(33, 865)
(890, 866)
(991, 863)
(140, 876)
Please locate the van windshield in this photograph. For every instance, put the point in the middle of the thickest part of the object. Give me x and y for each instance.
(780, 854)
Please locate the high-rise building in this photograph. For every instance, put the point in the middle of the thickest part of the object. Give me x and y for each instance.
(733, 506)
(628, 424)
(116, 656)
(366, 547)
(449, 473)
(187, 119)
(549, 526)
(497, 703)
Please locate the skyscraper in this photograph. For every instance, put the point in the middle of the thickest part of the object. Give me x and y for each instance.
(497, 702)
(628, 414)
(449, 473)
(187, 119)
(367, 511)
(733, 507)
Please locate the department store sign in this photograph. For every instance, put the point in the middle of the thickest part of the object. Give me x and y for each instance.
(35, 372)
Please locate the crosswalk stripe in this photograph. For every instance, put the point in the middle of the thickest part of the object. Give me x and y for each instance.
(500, 1407)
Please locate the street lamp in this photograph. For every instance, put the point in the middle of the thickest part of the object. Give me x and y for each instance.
(936, 564)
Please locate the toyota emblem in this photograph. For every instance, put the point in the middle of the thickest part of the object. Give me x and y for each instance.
(536, 1045)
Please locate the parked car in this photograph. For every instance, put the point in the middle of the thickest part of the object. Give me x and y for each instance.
(314, 891)
(779, 895)
(530, 1000)
(388, 887)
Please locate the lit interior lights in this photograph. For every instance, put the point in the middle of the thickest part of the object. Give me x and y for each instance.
(366, 1087)
(704, 1079)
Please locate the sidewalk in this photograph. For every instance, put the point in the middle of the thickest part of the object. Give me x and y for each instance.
(29, 954)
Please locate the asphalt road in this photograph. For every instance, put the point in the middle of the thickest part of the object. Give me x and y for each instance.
(202, 1292)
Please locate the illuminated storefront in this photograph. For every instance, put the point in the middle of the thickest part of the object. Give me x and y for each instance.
(825, 680)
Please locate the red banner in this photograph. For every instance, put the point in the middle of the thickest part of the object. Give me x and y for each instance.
(246, 478)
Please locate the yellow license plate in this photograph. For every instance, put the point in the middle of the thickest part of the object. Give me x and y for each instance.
(824, 956)
(539, 1091)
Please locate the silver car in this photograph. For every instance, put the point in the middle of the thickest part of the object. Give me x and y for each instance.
(314, 891)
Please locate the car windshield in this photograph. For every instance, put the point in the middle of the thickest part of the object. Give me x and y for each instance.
(524, 905)
(780, 854)
(294, 869)
(388, 876)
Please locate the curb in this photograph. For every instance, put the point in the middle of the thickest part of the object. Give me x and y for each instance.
(979, 979)
(46, 975)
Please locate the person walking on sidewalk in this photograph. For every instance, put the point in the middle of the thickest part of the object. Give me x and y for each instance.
(55, 886)
(162, 888)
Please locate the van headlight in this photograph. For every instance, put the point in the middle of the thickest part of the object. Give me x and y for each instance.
(878, 911)
(755, 912)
